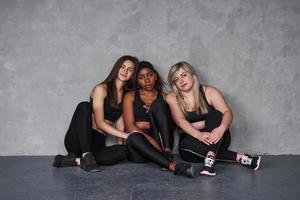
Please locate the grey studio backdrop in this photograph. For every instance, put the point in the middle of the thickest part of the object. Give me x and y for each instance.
(52, 53)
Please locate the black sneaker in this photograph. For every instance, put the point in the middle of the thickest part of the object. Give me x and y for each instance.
(65, 161)
(252, 162)
(88, 163)
(185, 169)
(208, 167)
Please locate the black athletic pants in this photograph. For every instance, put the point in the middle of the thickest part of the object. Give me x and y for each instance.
(81, 138)
(161, 129)
(193, 150)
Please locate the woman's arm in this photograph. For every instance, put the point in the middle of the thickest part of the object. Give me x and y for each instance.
(216, 99)
(128, 114)
(181, 121)
(121, 127)
(99, 95)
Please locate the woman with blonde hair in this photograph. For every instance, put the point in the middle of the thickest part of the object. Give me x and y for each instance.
(204, 117)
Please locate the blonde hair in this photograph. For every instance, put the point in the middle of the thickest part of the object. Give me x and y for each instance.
(199, 97)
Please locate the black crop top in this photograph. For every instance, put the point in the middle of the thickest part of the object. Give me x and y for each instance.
(110, 113)
(139, 111)
(195, 117)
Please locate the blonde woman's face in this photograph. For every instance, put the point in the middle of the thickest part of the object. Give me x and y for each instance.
(183, 80)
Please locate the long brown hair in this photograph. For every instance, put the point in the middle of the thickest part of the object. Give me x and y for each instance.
(199, 98)
(110, 81)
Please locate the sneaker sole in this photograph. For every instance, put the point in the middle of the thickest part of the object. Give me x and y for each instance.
(91, 168)
(69, 163)
(258, 163)
(207, 173)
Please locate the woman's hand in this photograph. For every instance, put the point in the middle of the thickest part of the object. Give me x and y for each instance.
(216, 134)
(204, 137)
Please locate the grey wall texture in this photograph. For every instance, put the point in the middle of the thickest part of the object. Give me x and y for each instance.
(52, 53)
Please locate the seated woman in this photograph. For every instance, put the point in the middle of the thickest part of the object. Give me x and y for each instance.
(85, 138)
(147, 116)
(204, 117)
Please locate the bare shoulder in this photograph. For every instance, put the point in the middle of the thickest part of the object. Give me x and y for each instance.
(212, 94)
(100, 89)
(211, 90)
(164, 95)
(171, 96)
(129, 95)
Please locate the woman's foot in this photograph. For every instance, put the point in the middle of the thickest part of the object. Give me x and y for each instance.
(209, 166)
(65, 161)
(185, 169)
(252, 162)
(88, 163)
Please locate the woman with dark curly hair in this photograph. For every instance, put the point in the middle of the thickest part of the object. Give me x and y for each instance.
(147, 117)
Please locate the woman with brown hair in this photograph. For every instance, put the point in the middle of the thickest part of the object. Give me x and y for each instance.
(85, 138)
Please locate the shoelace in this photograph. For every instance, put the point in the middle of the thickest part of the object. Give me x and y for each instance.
(209, 162)
(246, 160)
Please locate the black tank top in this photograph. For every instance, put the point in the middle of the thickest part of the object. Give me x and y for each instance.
(110, 113)
(193, 116)
(140, 114)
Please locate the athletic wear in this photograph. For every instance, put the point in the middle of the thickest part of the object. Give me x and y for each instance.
(81, 138)
(252, 162)
(65, 161)
(161, 123)
(161, 129)
(139, 109)
(208, 167)
(110, 113)
(88, 163)
(185, 169)
(192, 150)
(140, 151)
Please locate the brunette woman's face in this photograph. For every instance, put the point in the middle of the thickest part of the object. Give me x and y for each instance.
(183, 80)
(126, 70)
(147, 79)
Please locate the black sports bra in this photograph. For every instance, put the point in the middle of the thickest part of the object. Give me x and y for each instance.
(193, 116)
(140, 114)
(110, 113)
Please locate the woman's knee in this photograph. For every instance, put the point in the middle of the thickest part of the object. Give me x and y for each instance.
(215, 114)
(159, 106)
(213, 119)
(134, 138)
(84, 107)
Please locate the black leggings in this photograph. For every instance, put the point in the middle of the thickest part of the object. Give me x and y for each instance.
(161, 124)
(140, 150)
(193, 150)
(81, 138)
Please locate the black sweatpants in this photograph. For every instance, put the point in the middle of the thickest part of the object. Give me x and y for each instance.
(81, 138)
(140, 150)
(193, 150)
